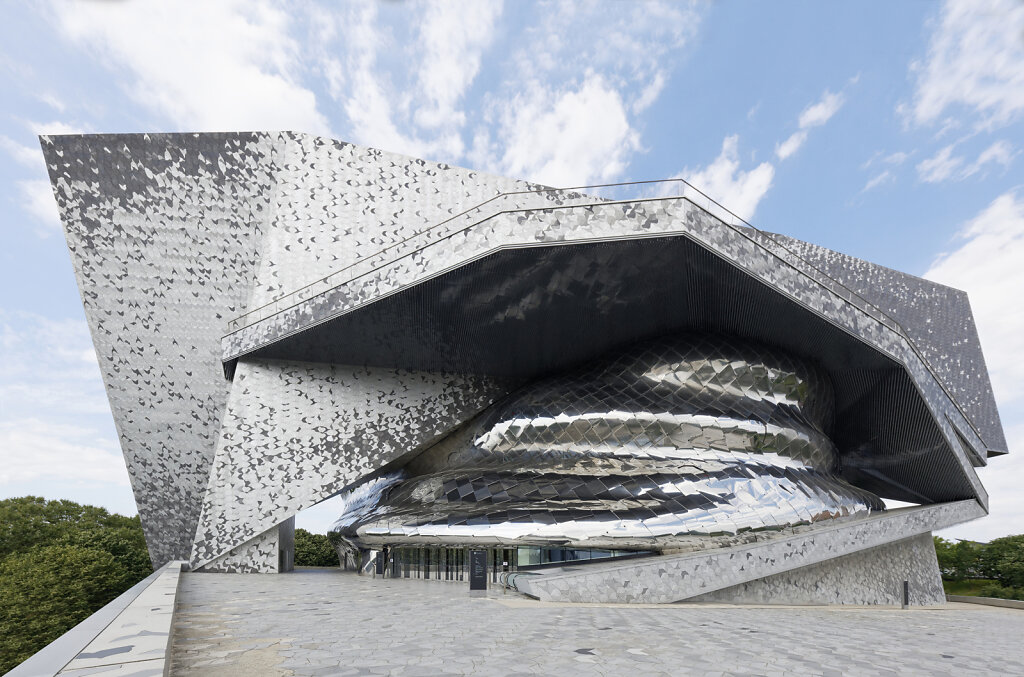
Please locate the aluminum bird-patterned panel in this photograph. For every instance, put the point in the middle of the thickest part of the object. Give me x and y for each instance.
(164, 232)
(336, 205)
(665, 444)
(297, 433)
(937, 318)
(466, 318)
(173, 235)
(193, 247)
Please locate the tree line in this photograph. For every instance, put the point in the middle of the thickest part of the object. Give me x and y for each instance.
(1000, 562)
(315, 550)
(59, 562)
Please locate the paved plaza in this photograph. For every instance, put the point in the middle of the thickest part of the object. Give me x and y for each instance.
(326, 622)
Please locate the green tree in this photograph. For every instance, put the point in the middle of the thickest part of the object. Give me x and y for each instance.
(47, 590)
(1003, 560)
(968, 555)
(314, 550)
(60, 562)
(961, 560)
(947, 558)
(32, 520)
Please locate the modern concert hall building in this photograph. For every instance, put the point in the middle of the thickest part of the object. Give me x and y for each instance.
(621, 394)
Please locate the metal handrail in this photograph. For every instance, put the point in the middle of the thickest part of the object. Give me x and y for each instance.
(711, 207)
(234, 323)
(242, 321)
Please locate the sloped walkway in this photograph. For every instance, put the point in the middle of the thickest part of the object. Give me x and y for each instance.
(325, 622)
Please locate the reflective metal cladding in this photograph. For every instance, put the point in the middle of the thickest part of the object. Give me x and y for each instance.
(682, 441)
(475, 360)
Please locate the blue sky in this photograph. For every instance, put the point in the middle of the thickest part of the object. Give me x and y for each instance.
(889, 131)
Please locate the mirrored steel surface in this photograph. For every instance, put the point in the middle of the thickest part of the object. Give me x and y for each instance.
(664, 444)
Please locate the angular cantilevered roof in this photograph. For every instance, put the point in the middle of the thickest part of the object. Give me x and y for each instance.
(367, 303)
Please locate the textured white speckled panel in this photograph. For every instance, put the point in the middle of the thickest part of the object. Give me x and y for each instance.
(297, 433)
(173, 235)
(872, 576)
(937, 318)
(673, 578)
(336, 203)
(164, 232)
(258, 555)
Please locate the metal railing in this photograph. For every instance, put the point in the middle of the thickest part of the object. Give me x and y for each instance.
(556, 197)
(572, 197)
(350, 272)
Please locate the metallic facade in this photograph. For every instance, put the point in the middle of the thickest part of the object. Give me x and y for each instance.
(686, 576)
(669, 443)
(281, 318)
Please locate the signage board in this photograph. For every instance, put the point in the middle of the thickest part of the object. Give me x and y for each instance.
(477, 570)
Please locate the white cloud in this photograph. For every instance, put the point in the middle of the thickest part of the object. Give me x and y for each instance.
(409, 105)
(987, 265)
(893, 159)
(791, 145)
(54, 417)
(722, 180)
(884, 177)
(453, 36)
(1001, 478)
(36, 195)
(650, 93)
(976, 60)
(37, 199)
(205, 66)
(578, 75)
(366, 102)
(401, 78)
(940, 166)
(32, 156)
(52, 101)
(55, 127)
(999, 153)
(814, 115)
(45, 450)
(896, 158)
(568, 138)
(945, 166)
(23, 155)
(822, 111)
(49, 367)
(629, 44)
(402, 85)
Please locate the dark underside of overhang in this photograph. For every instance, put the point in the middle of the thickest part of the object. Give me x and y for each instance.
(532, 311)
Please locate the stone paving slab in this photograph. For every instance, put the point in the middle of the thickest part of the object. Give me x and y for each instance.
(327, 622)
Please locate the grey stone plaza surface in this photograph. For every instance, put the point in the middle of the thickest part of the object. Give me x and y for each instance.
(327, 622)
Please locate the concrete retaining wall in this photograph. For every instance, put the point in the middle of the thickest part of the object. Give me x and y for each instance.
(130, 636)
